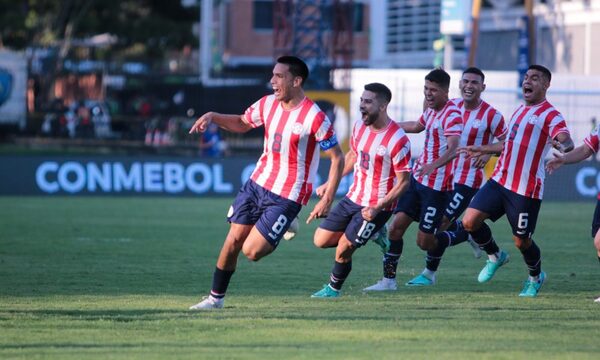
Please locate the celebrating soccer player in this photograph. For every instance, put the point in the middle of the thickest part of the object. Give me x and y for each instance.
(426, 198)
(380, 157)
(295, 128)
(517, 183)
(482, 123)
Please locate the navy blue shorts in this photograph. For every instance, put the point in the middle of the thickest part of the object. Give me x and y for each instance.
(521, 211)
(346, 217)
(423, 204)
(270, 213)
(458, 201)
(596, 219)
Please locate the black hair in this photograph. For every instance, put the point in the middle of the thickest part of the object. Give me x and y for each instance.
(381, 91)
(544, 70)
(440, 77)
(296, 65)
(476, 71)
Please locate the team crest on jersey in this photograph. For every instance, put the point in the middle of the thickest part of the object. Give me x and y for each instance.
(476, 124)
(381, 150)
(297, 129)
(532, 120)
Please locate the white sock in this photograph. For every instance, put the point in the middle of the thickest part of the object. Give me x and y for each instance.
(428, 273)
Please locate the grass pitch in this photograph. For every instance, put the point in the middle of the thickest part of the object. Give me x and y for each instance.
(113, 278)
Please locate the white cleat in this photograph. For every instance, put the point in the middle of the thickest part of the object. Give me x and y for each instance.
(294, 226)
(208, 303)
(384, 284)
(597, 300)
(476, 250)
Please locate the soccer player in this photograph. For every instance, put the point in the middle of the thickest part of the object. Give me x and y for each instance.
(426, 198)
(590, 146)
(380, 156)
(517, 183)
(295, 129)
(482, 123)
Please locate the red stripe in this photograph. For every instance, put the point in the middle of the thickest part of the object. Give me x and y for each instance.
(532, 186)
(276, 156)
(306, 189)
(262, 162)
(363, 171)
(506, 152)
(293, 154)
(361, 131)
(378, 169)
(524, 150)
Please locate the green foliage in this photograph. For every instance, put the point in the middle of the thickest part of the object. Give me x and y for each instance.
(156, 25)
(113, 277)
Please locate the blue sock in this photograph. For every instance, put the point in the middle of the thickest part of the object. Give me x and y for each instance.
(483, 237)
(533, 258)
(459, 234)
(433, 258)
(391, 258)
(220, 283)
(339, 273)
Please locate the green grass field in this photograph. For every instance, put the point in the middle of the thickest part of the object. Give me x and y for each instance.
(113, 278)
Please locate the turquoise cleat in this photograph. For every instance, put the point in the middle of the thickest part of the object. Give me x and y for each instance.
(490, 268)
(421, 280)
(382, 240)
(532, 288)
(326, 292)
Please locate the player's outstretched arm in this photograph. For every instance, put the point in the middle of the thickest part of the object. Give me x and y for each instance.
(412, 127)
(578, 154)
(321, 209)
(229, 122)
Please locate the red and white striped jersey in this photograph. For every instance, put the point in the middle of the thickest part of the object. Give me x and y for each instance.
(530, 131)
(593, 142)
(481, 126)
(290, 158)
(438, 126)
(379, 156)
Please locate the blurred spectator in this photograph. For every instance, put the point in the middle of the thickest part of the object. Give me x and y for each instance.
(211, 144)
(84, 127)
(55, 122)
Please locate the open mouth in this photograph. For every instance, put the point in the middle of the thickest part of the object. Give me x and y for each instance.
(527, 90)
(468, 92)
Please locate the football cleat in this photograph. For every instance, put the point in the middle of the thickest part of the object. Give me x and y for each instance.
(293, 229)
(597, 300)
(208, 303)
(531, 288)
(421, 280)
(384, 284)
(382, 240)
(326, 292)
(490, 268)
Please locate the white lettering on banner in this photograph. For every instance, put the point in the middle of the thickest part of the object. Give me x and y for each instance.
(40, 177)
(170, 177)
(580, 181)
(124, 181)
(97, 177)
(174, 181)
(152, 177)
(78, 182)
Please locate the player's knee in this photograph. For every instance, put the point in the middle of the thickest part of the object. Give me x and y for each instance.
(320, 242)
(470, 224)
(252, 254)
(522, 243)
(425, 241)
